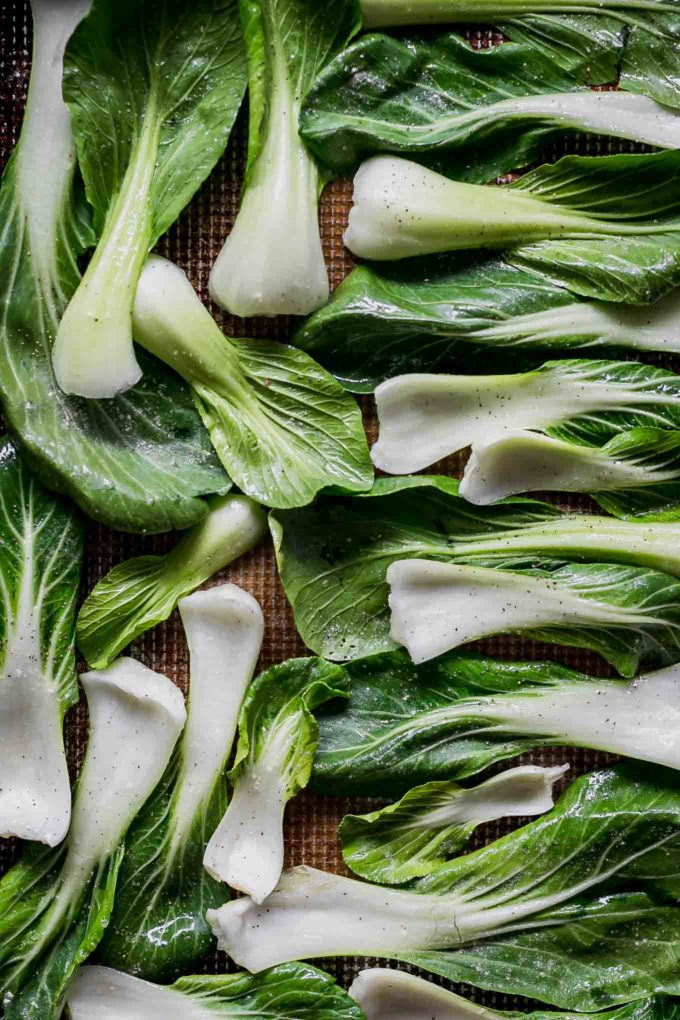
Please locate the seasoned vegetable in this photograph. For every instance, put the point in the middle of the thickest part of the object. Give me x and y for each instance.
(292, 990)
(283, 425)
(153, 90)
(635, 475)
(431, 823)
(272, 262)
(158, 928)
(530, 914)
(471, 114)
(457, 715)
(41, 551)
(278, 737)
(142, 592)
(55, 904)
(425, 417)
(593, 224)
(436, 315)
(138, 463)
(334, 555)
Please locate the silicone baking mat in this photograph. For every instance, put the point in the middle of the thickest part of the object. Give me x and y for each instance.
(194, 242)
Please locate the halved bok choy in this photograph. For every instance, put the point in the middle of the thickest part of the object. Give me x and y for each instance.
(55, 904)
(284, 426)
(584, 877)
(581, 401)
(594, 224)
(158, 928)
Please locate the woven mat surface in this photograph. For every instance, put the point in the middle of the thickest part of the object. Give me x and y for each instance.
(194, 243)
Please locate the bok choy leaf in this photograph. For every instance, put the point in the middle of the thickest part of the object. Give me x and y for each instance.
(471, 114)
(158, 928)
(636, 475)
(153, 90)
(431, 823)
(604, 226)
(278, 737)
(629, 616)
(272, 263)
(535, 890)
(452, 717)
(283, 425)
(55, 904)
(138, 463)
(333, 556)
(142, 592)
(41, 551)
(425, 417)
(436, 315)
(395, 995)
(292, 990)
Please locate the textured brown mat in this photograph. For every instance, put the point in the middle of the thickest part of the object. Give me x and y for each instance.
(194, 242)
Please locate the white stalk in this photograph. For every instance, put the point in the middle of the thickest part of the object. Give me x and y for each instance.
(593, 323)
(99, 993)
(525, 790)
(46, 155)
(93, 355)
(272, 262)
(527, 461)
(426, 417)
(395, 995)
(439, 606)
(247, 849)
(224, 628)
(393, 13)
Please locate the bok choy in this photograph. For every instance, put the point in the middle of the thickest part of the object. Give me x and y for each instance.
(395, 995)
(333, 559)
(472, 114)
(431, 823)
(450, 718)
(530, 914)
(272, 262)
(629, 616)
(153, 90)
(437, 315)
(292, 990)
(41, 551)
(283, 425)
(55, 904)
(142, 592)
(158, 928)
(425, 417)
(278, 737)
(138, 463)
(635, 475)
(589, 223)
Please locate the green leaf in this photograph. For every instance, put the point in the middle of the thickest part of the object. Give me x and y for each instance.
(142, 592)
(431, 823)
(41, 554)
(586, 45)
(278, 738)
(137, 463)
(284, 426)
(153, 90)
(55, 904)
(469, 113)
(618, 827)
(457, 715)
(158, 929)
(272, 262)
(651, 55)
(333, 556)
(292, 990)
